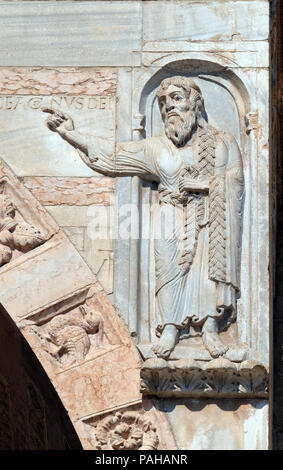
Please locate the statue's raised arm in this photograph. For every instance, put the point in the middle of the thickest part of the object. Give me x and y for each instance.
(63, 124)
(100, 154)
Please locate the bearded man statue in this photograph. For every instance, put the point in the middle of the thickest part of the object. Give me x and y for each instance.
(199, 174)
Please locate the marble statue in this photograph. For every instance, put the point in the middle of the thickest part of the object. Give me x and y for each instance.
(198, 169)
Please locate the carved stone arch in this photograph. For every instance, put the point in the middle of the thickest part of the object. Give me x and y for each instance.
(66, 317)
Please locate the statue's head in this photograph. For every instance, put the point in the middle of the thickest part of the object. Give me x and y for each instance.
(182, 108)
(91, 319)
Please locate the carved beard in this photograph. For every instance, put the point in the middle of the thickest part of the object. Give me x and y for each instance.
(179, 128)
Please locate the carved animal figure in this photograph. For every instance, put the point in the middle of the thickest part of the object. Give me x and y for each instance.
(14, 235)
(71, 335)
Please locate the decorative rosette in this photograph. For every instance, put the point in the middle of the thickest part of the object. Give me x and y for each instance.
(128, 430)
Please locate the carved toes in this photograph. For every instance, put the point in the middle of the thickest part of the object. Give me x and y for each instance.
(214, 345)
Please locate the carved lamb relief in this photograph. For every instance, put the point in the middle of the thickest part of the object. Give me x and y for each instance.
(69, 337)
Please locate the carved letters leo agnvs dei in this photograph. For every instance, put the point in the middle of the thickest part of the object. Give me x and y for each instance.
(197, 223)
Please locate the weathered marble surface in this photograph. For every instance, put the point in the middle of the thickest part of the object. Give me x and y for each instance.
(88, 93)
(68, 193)
(71, 191)
(196, 225)
(46, 81)
(56, 301)
(129, 23)
(79, 34)
(221, 425)
(193, 22)
(101, 62)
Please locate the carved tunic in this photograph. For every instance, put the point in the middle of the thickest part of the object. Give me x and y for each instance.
(196, 234)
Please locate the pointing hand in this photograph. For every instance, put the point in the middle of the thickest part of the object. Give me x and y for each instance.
(58, 121)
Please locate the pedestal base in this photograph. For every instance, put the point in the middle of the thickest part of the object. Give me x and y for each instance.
(216, 378)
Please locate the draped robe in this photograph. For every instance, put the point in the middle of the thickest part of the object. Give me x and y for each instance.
(197, 235)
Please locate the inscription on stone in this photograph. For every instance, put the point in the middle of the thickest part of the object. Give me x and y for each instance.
(21, 103)
(89, 94)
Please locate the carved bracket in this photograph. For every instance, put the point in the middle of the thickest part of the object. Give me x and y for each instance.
(138, 126)
(251, 120)
(190, 378)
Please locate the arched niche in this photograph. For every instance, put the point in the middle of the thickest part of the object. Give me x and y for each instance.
(229, 100)
(226, 97)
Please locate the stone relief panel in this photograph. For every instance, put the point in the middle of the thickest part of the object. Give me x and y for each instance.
(190, 129)
(70, 337)
(196, 223)
(228, 98)
(146, 99)
(199, 204)
(19, 233)
(138, 426)
(73, 193)
(68, 320)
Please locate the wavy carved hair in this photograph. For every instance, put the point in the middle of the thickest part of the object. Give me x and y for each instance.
(190, 86)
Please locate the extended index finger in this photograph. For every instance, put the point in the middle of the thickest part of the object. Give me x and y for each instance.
(56, 112)
(45, 109)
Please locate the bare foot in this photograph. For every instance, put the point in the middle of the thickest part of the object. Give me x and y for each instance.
(167, 342)
(211, 339)
(237, 352)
